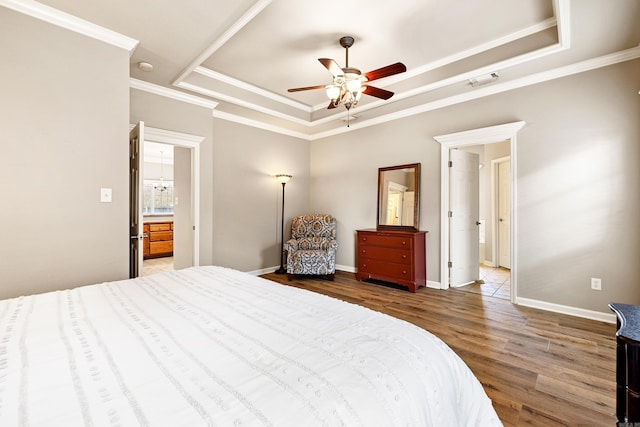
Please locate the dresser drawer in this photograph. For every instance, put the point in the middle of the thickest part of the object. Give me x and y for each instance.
(387, 270)
(399, 256)
(164, 226)
(385, 240)
(161, 247)
(161, 235)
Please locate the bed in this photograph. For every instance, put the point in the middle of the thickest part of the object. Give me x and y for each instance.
(211, 346)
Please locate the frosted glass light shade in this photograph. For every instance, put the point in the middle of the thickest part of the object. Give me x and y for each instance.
(333, 92)
(283, 178)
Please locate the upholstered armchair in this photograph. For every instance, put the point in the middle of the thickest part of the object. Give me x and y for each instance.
(312, 247)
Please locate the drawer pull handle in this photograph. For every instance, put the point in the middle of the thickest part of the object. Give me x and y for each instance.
(404, 256)
(364, 251)
(404, 242)
(404, 271)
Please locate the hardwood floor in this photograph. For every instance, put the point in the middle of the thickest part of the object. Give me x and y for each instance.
(539, 368)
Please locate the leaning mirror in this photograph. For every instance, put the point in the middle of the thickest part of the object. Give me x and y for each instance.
(399, 197)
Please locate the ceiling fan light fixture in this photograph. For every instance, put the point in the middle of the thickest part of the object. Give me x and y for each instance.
(354, 86)
(349, 83)
(333, 92)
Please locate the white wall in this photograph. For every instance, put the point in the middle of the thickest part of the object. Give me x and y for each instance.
(63, 129)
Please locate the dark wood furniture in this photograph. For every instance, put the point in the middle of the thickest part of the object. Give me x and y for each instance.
(627, 363)
(158, 241)
(392, 256)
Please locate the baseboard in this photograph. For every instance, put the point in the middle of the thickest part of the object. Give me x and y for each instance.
(263, 271)
(433, 285)
(346, 268)
(565, 309)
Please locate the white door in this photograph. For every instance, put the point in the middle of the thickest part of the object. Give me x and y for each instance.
(504, 214)
(464, 206)
(136, 202)
(408, 208)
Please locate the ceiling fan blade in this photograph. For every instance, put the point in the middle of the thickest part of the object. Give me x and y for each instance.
(299, 89)
(387, 71)
(377, 92)
(332, 66)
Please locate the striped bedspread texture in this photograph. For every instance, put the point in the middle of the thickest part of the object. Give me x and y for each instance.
(212, 346)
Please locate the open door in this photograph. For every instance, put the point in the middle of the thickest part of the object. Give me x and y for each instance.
(504, 214)
(464, 248)
(136, 204)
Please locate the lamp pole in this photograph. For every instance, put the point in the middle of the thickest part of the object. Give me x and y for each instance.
(283, 178)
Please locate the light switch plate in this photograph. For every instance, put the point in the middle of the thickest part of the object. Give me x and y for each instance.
(105, 195)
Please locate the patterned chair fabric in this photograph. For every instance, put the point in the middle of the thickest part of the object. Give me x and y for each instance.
(312, 247)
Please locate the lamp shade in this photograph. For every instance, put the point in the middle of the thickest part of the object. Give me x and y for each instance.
(333, 92)
(283, 178)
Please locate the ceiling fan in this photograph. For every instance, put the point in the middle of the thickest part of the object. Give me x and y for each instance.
(349, 83)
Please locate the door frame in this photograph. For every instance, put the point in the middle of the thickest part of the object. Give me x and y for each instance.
(185, 140)
(481, 136)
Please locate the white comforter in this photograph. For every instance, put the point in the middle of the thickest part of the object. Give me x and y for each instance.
(214, 346)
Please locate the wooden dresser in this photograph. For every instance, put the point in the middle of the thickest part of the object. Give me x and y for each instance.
(392, 256)
(158, 241)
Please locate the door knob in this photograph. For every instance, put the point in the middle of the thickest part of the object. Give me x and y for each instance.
(477, 222)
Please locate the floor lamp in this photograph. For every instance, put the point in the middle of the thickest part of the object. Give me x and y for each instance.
(283, 179)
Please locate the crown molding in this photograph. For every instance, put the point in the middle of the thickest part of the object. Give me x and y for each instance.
(562, 10)
(61, 19)
(242, 103)
(251, 88)
(260, 125)
(171, 93)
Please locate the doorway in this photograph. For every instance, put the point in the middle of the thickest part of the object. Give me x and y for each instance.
(187, 152)
(493, 134)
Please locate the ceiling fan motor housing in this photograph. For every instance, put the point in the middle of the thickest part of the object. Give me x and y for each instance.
(346, 41)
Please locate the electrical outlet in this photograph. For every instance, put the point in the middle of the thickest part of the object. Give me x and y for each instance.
(596, 284)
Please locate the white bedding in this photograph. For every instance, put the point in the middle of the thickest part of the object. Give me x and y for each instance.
(214, 346)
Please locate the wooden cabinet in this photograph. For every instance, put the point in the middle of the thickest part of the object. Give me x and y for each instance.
(392, 256)
(627, 363)
(159, 239)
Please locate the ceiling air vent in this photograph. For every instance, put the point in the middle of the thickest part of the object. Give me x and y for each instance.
(483, 79)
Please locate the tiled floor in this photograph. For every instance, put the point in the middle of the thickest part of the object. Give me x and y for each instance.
(157, 265)
(494, 282)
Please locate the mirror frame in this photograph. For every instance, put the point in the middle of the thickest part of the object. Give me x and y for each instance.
(416, 206)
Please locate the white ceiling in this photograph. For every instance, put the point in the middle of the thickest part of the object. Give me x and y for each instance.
(241, 56)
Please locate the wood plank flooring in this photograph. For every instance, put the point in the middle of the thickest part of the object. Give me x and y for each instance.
(539, 368)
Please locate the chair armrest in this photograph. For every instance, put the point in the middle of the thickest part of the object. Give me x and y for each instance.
(330, 245)
(291, 245)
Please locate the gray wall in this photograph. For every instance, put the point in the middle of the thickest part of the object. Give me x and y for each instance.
(182, 218)
(63, 128)
(247, 197)
(165, 113)
(65, 118)
(577, 182)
